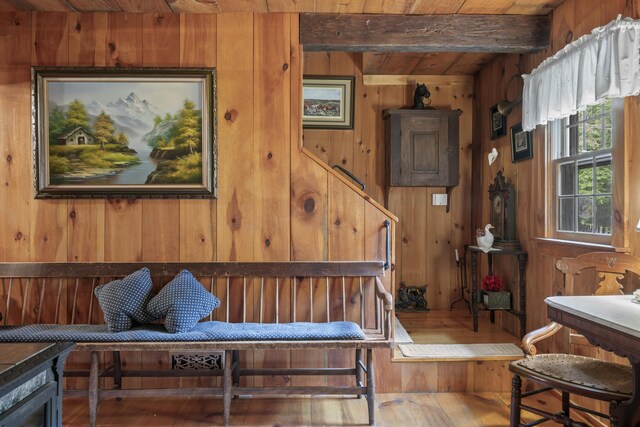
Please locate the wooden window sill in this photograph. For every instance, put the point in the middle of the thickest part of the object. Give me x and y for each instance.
(584, 245)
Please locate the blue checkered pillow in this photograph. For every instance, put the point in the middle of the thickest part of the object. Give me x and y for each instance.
(182, 302)
(123, 302)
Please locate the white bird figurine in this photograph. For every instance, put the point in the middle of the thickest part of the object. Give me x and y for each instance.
(485, 238)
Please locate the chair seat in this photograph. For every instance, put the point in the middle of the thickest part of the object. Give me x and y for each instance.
(597, 378)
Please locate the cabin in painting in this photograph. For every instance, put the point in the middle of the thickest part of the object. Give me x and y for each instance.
(290, 196)
(78, 136)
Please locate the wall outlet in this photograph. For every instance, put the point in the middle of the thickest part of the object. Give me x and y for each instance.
(439, 200)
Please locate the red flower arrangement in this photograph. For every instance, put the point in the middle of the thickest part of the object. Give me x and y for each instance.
(492, 284)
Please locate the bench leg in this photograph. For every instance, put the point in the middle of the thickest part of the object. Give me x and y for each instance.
(228, 378)
(371, 387)
(117, 371)
(359, 369)
(235, 374)
(93, 388)
(236, 367)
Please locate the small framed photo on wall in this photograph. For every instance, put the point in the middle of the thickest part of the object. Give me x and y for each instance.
(498, 123)
(328, 102)
(521, 148)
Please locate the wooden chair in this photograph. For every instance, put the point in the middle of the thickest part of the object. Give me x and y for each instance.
(568, 373)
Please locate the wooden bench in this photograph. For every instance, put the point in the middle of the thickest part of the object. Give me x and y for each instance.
(277, 292)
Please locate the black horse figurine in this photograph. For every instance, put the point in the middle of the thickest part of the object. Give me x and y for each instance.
(420, 93)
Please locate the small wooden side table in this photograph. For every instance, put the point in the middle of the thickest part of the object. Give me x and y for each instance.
(475, 291)
(31, 383)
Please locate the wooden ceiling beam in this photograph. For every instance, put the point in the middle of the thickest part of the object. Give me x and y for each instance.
(425, 33)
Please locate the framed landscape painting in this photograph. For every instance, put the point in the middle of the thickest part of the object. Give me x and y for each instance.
(104, 132)
(327, 102)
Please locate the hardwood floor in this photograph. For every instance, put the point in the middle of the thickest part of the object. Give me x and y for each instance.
(484, 409)
(452, 327)
(405, 410)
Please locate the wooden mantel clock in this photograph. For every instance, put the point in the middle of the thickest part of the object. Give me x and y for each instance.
(502, 195)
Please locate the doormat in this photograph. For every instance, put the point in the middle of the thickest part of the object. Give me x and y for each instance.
(445, 352)
(401, 336)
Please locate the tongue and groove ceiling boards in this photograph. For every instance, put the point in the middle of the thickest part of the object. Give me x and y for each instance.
(452, 37)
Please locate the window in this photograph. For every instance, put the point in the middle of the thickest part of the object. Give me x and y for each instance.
(582, 170)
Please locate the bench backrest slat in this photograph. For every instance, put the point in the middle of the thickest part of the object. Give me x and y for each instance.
(8, 305)
(219, 269)
(271, 292)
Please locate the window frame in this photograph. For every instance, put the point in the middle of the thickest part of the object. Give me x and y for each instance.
(617, 179)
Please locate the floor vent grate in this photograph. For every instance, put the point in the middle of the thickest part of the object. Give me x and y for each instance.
(213, 361)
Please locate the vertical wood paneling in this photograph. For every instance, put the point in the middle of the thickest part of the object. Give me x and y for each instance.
(370, 150)
(87, 39)
(15, 134)
(309, 210)
(235, 212)
(87, 45)
(388, 375)
(632, 133)
(49, 217)
(235, 137)
(123, 217)
(461, 206)
(198, 48)
(272, 208)
(269, 190)
(49, 228)
(198, 217)
(414, 240)
(570, 21)
(124, 40)
(271, 150)
(318, 141)
(85, 218)
(346, 242)
(341, 142)
(160, 218)
(427, 234)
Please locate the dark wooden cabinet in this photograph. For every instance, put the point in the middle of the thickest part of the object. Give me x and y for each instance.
(422, 147)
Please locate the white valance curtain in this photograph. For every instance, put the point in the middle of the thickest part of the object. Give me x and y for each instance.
(603, 64)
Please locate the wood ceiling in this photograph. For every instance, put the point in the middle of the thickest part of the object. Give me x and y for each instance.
(414, 7)
(434, 63)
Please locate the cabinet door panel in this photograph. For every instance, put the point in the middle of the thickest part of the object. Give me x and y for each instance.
(424, 150)
(422, 147)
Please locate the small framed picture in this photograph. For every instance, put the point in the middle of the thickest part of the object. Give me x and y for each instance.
(521, 148)
(327, 102)
(498, 123)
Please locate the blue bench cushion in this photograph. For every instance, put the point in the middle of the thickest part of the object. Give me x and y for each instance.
(203, 331)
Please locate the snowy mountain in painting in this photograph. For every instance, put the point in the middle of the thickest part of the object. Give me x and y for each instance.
(131, 114)
(135, 107)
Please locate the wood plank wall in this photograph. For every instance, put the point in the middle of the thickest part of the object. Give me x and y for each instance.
(275, 202)
(427, 235)
(571, 20)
